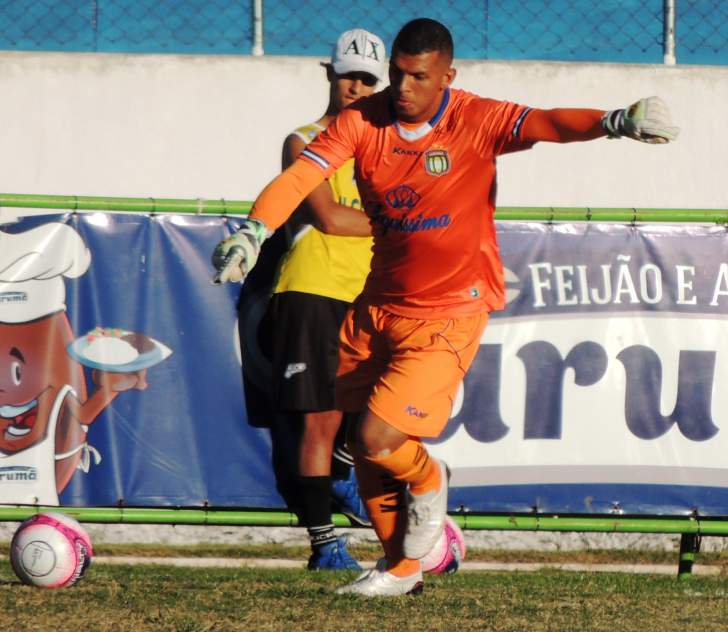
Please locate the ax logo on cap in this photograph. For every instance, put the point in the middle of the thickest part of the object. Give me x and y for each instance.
(358, 50)
(367, 48)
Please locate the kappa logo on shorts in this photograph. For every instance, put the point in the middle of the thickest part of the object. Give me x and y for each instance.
(411, 410)
(437, 162)
(402, 197)
(293, 368)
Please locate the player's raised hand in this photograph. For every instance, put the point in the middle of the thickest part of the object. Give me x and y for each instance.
(648, 120)
(234, 257)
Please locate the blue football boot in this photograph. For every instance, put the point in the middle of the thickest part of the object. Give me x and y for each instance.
(332, 556)
(345, 494)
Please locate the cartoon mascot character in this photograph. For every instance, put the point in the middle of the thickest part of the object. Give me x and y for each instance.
(45, 409)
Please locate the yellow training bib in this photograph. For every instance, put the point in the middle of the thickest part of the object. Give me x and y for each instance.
(327, 265)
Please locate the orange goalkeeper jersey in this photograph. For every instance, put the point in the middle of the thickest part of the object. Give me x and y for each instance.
(430, 194)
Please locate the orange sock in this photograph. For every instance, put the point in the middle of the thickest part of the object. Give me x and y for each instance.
(404, 567)
(382, 485)
(411, 463)
(383, 497)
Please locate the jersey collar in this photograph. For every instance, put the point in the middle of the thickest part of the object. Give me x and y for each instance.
(425, 128)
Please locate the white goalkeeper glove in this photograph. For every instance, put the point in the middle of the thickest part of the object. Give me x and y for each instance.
(648, 121)
(235, 256)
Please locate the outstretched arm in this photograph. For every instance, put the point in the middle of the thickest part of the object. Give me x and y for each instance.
(319, 207)
(563, 125)
(648, 120)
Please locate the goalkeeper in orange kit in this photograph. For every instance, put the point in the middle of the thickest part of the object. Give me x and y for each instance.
(425, 156)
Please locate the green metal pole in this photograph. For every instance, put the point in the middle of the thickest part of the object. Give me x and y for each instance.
(239, 207)
(689, 547)
(602, 524)
(208, 516)
(155, 515)
(139, 205)
(623, 215)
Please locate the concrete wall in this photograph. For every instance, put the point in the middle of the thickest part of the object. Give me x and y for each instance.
(211, 127)
(187, 126)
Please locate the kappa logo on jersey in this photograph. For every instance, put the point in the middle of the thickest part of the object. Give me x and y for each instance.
(437, 162)
(293, 368)
(401, 151)
(402, 197)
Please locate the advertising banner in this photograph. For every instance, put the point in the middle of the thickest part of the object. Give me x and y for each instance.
(601, 386)
(120, 370)
(599, 389)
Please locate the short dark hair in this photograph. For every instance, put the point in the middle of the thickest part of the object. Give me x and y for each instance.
(423, 35)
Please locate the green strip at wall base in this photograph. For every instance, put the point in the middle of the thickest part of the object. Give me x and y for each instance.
(515, 522)
(240, 207)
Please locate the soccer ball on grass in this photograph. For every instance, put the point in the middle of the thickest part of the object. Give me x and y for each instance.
(50, 550)
(448, 552)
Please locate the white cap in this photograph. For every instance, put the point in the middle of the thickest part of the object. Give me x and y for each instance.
(359, 51)
(33, 265)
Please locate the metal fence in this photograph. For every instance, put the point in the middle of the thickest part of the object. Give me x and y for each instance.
(569, 30)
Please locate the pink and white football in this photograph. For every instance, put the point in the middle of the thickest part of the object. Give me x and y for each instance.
(50, 550)
(448, 552)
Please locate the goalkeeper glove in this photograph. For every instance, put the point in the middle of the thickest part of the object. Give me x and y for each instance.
(235, 256)
(648, 121)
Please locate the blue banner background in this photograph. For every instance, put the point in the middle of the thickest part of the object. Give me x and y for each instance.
(190, 440)
(186, 439)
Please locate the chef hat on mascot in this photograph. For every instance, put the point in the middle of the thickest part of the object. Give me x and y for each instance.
(33, 266)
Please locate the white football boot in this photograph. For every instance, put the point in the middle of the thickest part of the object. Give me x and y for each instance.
(426, 518)
(377, 582)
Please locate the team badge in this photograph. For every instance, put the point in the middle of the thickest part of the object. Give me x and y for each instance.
(437, 162)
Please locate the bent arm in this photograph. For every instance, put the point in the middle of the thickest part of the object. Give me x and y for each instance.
(563, 125)
(319, 207)
(284, 193)
(320, 159)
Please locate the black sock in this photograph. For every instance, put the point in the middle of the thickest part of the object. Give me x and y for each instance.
(341, 463)
(316, 497)
(322, 535)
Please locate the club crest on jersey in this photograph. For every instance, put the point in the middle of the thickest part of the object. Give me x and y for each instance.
(437, 162)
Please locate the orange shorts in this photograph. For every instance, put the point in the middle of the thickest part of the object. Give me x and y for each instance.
(404, 370)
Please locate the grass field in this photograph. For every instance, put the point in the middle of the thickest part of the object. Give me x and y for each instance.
(134, 598)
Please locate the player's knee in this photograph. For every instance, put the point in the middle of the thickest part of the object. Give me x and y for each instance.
(363, 443)
(321, 426)
(376, 438)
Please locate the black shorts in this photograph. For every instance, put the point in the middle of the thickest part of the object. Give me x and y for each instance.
(305, 331)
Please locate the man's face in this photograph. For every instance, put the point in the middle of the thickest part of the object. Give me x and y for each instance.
(350, 87)
(418, 82)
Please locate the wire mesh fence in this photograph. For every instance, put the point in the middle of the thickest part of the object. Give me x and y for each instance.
(493, 29)
(702, 31)
(569, 30)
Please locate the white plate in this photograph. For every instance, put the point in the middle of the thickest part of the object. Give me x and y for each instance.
(77, 350)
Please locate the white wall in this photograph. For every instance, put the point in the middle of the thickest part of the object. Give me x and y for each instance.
(211, 127)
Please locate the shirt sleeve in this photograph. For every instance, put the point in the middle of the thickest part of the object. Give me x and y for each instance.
(336, 144)
(282, 196)
(500, 127)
